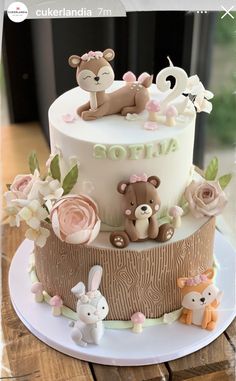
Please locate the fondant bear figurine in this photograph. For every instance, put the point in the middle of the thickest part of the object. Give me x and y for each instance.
(95, 74)
(200, 300)
(140, 205)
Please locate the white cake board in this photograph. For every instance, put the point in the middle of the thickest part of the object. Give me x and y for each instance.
(122, 347)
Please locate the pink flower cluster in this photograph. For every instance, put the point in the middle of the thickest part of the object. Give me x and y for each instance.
(91, 55)
(196, 280)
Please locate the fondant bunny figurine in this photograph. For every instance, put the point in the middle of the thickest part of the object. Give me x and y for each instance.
(200, 300)
(92, 308)
(94, 74)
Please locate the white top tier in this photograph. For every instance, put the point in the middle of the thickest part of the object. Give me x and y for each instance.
(111, 129)
(113, 148)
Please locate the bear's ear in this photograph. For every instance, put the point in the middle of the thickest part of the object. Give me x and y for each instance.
(121, 187)
(209, 273)
(181, 282)
(154, 180)
(74, 60)
(109, 54)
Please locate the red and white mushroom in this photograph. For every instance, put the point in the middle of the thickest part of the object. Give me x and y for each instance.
(37, 290)
(176, 213)
(138, 318)
(153, 107)
(171, 113)
(56, 303)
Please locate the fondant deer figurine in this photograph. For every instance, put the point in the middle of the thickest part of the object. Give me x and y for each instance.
(200, 300)
(95, 74)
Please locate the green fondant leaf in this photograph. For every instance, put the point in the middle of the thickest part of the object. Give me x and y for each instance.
(212, 169)
(33, 162)
(224, 180)
(55, 168)
(70, 179)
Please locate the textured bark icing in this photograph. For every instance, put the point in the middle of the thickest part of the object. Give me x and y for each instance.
(132, 281)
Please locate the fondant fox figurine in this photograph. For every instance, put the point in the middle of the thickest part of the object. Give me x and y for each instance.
(200, 300)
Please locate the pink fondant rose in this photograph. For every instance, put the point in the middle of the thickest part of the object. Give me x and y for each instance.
(22, 185)
(75, 219)
(205, 198)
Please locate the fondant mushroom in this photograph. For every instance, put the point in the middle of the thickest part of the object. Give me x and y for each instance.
(171, 113)
(153, 107)
(56, 303)
(37, 290)
(138, 318)
(176, 213)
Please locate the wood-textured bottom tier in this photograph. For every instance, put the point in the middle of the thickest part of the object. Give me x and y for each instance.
(132, 280)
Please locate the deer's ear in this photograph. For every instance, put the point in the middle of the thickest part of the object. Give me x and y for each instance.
(74, 61)
(109, 54)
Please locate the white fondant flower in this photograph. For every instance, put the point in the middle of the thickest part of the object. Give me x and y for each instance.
(202, 104)
(39, 236)
(192, 85)
(132, 116)
(49, 189)
(12, 212)
(10, 197)
(12, 208)
(33, 214)
(202, 96)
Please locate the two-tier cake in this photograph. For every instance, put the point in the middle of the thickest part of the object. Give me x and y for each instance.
(121, 200)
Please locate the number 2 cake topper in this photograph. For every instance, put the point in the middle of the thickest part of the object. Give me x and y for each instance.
(94, 74)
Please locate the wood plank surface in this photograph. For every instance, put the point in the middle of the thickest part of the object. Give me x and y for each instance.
(215, 360)
(17, 142)
(129, 373)
(231, 333)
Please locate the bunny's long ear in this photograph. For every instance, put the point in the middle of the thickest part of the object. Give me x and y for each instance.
(94, 279)
(78, 290)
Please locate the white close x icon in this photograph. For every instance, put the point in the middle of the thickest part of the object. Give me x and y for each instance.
(227, 12)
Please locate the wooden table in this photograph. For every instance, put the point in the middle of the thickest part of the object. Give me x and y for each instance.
(26, 358)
